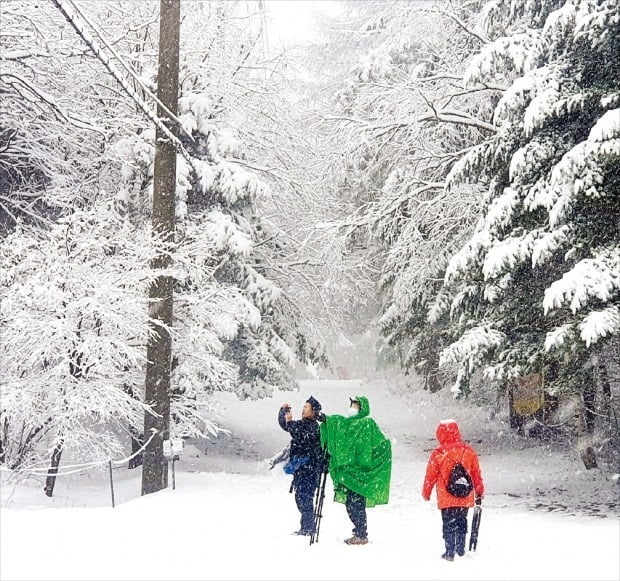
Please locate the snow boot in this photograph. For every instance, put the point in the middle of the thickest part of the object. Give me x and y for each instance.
(447, 556)
(356, 540)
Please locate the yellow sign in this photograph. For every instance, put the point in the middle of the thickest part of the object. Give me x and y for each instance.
(527, 394)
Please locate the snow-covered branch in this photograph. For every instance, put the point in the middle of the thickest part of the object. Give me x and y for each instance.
(458, 118)
(65, 8)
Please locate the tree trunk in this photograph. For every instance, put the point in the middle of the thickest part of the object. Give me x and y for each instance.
(584, 438)
(431, 372)
(50, 481)
(589, 402)
(603, 378)
(3, 432)
(608, 413)
(137, 437)
(137, 441)
(159, 349)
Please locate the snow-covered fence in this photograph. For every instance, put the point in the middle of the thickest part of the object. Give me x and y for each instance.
(172, 452)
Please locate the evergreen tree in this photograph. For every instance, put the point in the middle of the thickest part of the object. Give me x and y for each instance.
(223, 197)
(537, 287)
(218, 197)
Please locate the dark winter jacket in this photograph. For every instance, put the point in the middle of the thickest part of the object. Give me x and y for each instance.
(451, 450)
(304, 440)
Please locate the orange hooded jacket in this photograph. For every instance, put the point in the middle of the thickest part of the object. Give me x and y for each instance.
(451, 450)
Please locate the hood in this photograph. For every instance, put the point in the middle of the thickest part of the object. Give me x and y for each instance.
(314, 404)
(448, 432)
(364, 406)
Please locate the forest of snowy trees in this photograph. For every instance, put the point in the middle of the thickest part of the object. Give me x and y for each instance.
(441, 178)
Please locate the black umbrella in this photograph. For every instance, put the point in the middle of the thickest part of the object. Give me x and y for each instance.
(475, 526)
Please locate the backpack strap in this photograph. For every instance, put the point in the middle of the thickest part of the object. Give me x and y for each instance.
(446, 457)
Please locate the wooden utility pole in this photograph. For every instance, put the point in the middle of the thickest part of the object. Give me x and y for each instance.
(159, 349)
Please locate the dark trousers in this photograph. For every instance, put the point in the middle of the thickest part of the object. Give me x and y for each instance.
(356, 509)
(305, 483)
(454, 529)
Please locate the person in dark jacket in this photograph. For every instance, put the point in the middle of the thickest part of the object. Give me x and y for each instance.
(307, 455)
(454, 509)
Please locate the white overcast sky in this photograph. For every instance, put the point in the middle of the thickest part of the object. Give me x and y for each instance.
(292, 21)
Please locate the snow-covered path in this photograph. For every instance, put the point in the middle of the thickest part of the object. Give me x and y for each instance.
(233, 518)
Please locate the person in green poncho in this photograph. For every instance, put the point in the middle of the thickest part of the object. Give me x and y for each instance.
(360, 463)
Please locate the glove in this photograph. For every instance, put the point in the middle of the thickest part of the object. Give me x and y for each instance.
(478, 500)
(427, 498)
(321, 417)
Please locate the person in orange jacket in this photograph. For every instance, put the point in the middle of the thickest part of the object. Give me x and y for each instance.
(452, 450)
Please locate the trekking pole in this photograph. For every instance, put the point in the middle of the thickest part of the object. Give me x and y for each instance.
(318, 510)
(315, 513)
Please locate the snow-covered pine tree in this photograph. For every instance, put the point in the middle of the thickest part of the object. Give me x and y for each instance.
(223, 198)
(218, 198)
(538, 284)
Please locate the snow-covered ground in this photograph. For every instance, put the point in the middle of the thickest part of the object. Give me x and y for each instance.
(230, 517)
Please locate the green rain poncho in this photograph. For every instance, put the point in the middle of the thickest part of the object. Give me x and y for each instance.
(360, 456)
